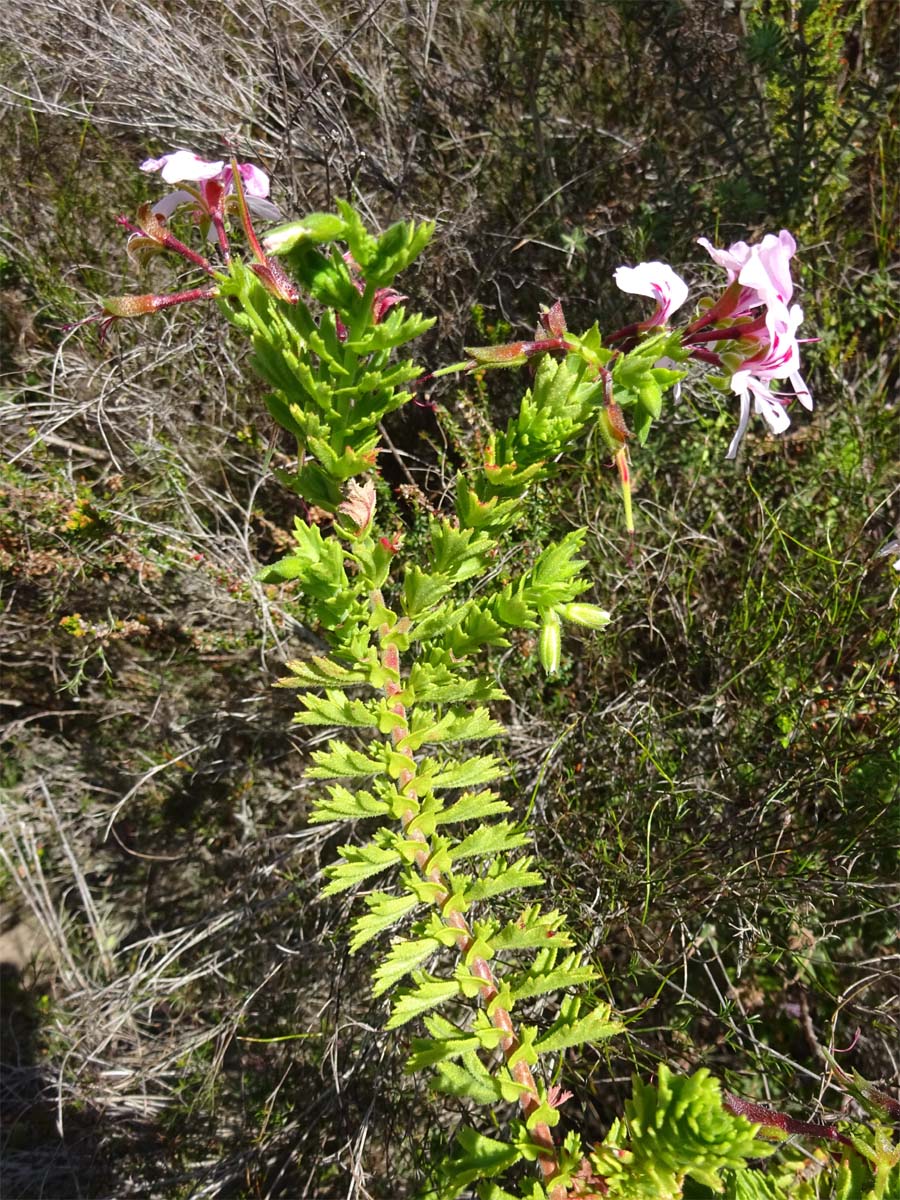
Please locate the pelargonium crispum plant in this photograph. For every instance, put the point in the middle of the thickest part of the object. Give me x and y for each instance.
(470, 954)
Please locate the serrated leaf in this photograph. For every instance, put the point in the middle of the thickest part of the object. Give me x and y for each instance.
(322, 672)
(440, 621)
(596, 1026)
(533, 929)
(336, 709)
(502, 877)
(489, 840)
(359, 863)
(385, 910)
(427, 993)
(421, 592)
(542, 977)
(341, 761)
(403, 957)
(343, 805)
(457, 1079)
(438, 684)
(458, 554)
(472, 806)
(427, 1052)
(481, 768)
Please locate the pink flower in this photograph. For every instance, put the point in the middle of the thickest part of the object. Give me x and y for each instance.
(211, 196)
(757, 275)
(777, 358)
(658, 281)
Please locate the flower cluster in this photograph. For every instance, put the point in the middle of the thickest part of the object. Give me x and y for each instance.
(750, 331)
(210, 190)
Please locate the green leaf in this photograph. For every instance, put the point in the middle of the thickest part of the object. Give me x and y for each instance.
(456, 726)
(342, 805)
(396, 330)
(422, 592)
(479, 629)
(472, 806)
(571, 1030)
(385, 910)
(362, 244)
(437, 683)
(323, 672)
(458, 554)
(360, 863)
(533, 929)
(341, 761)
(315, 227)
(428, 992)
(543, 977)
(489, 839)
(500, 877)
(481, 768)
(403, 957)
(469, 1079)
(336, 709)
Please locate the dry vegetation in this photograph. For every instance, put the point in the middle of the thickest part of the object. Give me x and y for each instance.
(717, 781)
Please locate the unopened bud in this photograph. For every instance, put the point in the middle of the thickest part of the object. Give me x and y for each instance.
(589, 615)
(550, 645)
(552, 319)
(513, 354)
(611, 423)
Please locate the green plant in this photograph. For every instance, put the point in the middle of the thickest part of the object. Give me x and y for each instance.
(406, 671)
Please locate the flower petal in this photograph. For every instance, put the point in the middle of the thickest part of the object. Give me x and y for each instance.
(256, 181)
(183, 166)
(656, 280)
(264, 209)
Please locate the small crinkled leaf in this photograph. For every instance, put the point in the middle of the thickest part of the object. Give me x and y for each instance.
(481, 768)
(490, 514)
(489, 840)
(501, 877)
(439, 621)
(323, 672)
(546, 975)
(472, 806)
(464, 726)
(334, 708)
(385, 910)
(533, 929)
(341, 761)
(479, 629)
(343, 805)
(421, 592)
(439, 684)
(362, 244)
(458, 554)
(403, 957)
(427, 992)
(456, 726)
(395, 330)
(359, 863)
(427, 1052)
(572, 1030)
(468, 1078)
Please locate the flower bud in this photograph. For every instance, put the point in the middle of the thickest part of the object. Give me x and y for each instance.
(552, 319)
(589, 615)
(612, 426)
(550, 646)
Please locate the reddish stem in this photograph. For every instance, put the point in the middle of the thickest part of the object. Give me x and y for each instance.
(169, 242)
(541, 1134)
